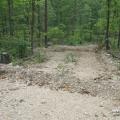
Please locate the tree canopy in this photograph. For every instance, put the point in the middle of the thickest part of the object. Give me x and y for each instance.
(34, 23)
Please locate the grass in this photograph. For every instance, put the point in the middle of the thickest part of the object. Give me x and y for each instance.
(70, 57)
(61, 69)
(38, 57)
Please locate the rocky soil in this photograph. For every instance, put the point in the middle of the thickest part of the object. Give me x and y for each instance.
(75, 83)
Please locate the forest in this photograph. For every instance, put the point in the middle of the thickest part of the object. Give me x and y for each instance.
(27, 24)
(59, 59)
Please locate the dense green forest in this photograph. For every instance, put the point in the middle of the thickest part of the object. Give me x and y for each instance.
(27, 24)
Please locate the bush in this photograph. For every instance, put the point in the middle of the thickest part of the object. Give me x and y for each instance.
(22, 49)
(70, 58)
(40, 57)
(16, 48)
(56, 34)
(113, 44)
(74, 39)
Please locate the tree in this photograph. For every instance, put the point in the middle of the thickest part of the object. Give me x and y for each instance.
(72, 22)
(107, 26)
(10, 14)
(119, 37)
(32, 25)
(46, 23)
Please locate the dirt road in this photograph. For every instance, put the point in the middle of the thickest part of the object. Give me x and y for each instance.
(75, 83)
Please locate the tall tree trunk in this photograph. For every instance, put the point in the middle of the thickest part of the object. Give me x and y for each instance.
(107, 42)
(91, 25)
(10, 15)
(75, 13)
(3, 27)
(119, 38)
(5, 24)
(39, 26)
(46, 23)
(32, 25)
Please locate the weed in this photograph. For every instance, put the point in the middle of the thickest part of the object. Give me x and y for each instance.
(70, 58)
(61, 69)
(40, 57)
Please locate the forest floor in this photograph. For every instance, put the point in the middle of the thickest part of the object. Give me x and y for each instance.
(74, 83)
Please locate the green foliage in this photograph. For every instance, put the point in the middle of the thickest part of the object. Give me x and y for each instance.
(56, 34)
(19, 62)
(74, 39)
(39, 57)
(70, 22)
(113, 44)
(16, 48)
(101, 24)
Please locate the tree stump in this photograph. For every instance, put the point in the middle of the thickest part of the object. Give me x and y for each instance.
(5, 58)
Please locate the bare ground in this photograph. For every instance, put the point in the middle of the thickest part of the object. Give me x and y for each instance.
(75, 83)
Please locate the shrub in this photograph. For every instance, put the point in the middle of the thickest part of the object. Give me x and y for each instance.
(70, 58)
(15, 47)
(40, 57)
(74, 39)
(56, 34)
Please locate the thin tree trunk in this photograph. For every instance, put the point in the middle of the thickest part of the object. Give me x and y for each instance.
(3, 27)
(108, 25)
(5, 24)
(119, 38)
(91, 32)
(10, 15)
(46, 23)
(32, 25)
(75, 13)
(39, 26)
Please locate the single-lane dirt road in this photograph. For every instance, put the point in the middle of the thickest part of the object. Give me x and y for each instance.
(75, 83)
